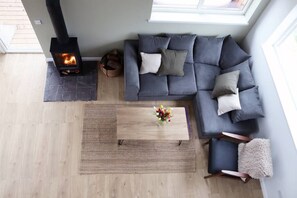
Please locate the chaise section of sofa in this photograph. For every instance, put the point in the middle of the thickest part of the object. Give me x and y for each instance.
(210, 124)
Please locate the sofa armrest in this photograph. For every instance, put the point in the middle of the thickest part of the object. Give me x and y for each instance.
(131, 70)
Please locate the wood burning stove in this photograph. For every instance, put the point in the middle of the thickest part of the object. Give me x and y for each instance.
(64, 49)
(66, 56)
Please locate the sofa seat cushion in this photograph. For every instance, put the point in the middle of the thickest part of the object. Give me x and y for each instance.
(222, 156)
(212, 124)
(153, 85)
(206, 75)
(185, 85)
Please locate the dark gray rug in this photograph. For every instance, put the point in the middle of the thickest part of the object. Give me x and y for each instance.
(71, 88)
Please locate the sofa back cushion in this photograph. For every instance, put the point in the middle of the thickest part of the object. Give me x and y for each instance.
(251, 106)
(183, 42)
(232, 54)
(152, 43)
(207, 50)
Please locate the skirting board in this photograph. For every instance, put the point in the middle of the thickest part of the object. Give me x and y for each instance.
(263, 187)
(83, 58)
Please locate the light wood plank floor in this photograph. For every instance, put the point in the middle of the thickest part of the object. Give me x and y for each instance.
(40, 146)
(12, 12)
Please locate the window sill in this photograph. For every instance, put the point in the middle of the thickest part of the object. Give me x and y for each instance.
(178, 17)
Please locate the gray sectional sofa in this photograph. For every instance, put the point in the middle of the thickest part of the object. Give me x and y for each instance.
(207, 57)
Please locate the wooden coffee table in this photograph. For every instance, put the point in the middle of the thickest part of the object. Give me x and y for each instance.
(140, 123)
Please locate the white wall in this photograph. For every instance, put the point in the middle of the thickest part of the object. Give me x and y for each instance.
(103, 24)
(273, 126)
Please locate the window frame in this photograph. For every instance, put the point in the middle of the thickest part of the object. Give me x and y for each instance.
(271, 53)
(201, 15)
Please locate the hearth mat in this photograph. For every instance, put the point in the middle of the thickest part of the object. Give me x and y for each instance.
(71, 88)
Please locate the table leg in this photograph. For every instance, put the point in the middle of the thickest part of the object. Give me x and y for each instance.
(120, 142)
(179, 143)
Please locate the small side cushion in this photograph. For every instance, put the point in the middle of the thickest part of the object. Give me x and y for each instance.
(183, 42)
(246, 79)
(251, 107)
(222, 156)
(208, 50)
(153, 85)
(152, 43)
(226, 84)
(150, 63)
(185, 85)
(229, 102)
(172, 62)
(206, 75)
(232, 54)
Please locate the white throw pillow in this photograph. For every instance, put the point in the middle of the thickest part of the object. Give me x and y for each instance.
(150, 63)
(228, 103)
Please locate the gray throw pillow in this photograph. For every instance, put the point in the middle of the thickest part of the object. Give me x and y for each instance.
(207, 50)
(226, 84)
(152, 43)
(246, 79)
(251, 107)
(183, 42)
(232, 54)
(172, 62)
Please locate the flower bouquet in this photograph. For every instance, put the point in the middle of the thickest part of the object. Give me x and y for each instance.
(163, 114)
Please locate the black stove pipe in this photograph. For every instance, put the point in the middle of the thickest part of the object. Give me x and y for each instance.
(55, 12)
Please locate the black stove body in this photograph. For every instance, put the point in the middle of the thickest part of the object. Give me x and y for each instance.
(64, 49)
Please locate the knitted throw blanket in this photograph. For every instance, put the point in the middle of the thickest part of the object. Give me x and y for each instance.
(254, 158)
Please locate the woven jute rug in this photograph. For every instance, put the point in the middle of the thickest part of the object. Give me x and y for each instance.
(101, 154)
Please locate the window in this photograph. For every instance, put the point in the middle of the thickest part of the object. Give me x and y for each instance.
(281, 55)
(204, 11)
(287, 55)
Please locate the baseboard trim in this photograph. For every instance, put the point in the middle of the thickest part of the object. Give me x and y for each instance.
(83, 58)
(263, 188)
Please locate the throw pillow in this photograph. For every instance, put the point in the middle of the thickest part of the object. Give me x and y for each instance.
(150, 63)
(228, 103)
(232, 54)
(183, 42)
(251, 107)
(151, 43)
(208, 50)
(246, 79)
(225, 84)
(172, 62)
(254, 158)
